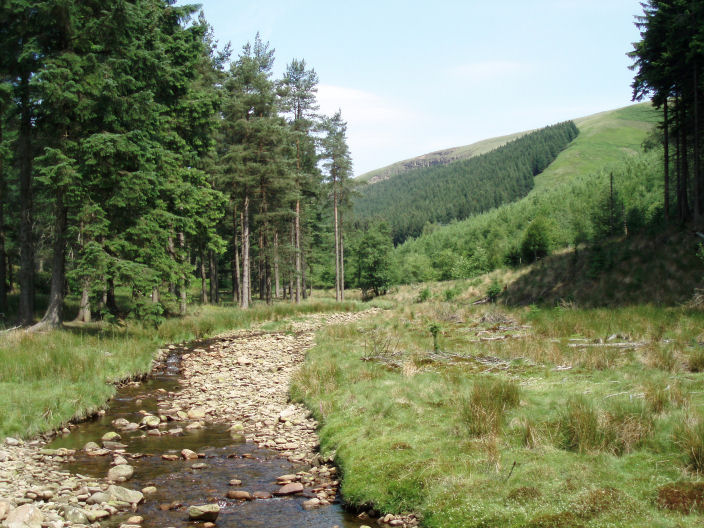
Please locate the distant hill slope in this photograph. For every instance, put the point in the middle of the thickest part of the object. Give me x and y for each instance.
(569, 195)
(439, 157)
(604, 139)
(456, 190)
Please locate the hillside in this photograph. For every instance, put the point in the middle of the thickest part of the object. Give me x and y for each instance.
(438, 157)
(460, 189)
(569, 196)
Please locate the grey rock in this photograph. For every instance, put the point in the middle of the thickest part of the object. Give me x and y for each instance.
(204, 512)
(120, 494)
(25, 516)
(120, 473)
(91, 446)
(98, 498)
(74, 515)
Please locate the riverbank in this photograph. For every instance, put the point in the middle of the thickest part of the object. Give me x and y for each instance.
(238, 380)
(49, 379)
(488, 416)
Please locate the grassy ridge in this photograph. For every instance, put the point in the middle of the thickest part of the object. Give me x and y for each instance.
(524, 431)
(604, 140)
(47, 379)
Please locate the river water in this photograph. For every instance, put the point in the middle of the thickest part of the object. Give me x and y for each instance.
(178, 484)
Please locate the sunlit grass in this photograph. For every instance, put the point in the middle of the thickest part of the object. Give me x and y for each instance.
(521, 431)
(47, 379)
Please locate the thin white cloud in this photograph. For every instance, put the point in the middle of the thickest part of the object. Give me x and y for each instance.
(358, 106)
(490, 70)
(376, 125)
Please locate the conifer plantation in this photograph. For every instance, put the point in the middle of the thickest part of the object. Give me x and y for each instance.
(139, 161)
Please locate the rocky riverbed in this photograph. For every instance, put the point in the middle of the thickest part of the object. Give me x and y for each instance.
(233, 387)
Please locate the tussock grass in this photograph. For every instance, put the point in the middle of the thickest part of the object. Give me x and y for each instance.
(594, 431)
(690, 437)
(483, 411)
(47, 379)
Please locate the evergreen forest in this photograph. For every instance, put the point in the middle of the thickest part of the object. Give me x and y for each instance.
(460, 189)
(139, 159)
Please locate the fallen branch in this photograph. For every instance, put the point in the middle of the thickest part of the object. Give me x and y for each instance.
(610, 345)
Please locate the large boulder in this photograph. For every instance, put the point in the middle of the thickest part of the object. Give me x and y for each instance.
(204, 512)
(120, 473)
(26, 516)
(120, 494)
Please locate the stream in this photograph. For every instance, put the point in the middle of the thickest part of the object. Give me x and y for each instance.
(222, 457)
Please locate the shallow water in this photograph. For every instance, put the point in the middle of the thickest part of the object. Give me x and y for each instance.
(176, 481)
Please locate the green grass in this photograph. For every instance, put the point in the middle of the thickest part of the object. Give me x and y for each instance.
(519, 432)
(47, 379)
(604, 140)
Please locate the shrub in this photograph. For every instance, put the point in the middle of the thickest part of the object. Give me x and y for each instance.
(435, 329)
(621, 428)
(626, 425)
(424, 295)
(494, 290)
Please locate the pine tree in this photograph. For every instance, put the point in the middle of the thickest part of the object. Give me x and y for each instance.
(299, 101)
(338, 164)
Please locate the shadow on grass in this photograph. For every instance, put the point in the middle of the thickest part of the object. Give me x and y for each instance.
(662, 270)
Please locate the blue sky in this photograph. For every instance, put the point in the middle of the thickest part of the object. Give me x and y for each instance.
(411, 77)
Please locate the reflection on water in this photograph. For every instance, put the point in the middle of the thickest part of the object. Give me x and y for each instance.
(177, 482)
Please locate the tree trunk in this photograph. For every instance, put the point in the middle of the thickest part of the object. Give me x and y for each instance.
(3, 254)
(666, 131)
(10, 274)
(342, 260)
(53, 317)
(686, 211)
(183, 279)
(337, 246)
(277, 281)
(236, 293)
(84, 315)
(155, 295)
(213, 272)
(260, 267)
(697, 172)
(110, 301)
(298, 250)
(303, 274)
(203, 278)
(246, 284)
(26, 276)
(290, 275)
